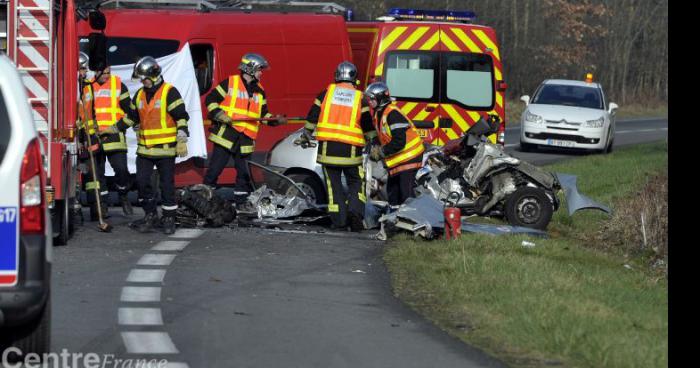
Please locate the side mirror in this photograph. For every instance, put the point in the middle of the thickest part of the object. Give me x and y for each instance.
(501, 86)
(525, 99)
(612, 108)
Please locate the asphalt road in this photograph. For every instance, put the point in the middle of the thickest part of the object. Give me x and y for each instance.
(252, 297)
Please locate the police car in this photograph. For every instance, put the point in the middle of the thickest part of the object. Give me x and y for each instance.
(25, 226)
(569, 114)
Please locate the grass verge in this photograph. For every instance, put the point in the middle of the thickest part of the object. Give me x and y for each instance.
(568, 301)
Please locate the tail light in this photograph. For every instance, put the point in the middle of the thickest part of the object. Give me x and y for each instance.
(31, 189)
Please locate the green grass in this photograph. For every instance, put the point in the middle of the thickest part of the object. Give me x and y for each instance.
(565, 301)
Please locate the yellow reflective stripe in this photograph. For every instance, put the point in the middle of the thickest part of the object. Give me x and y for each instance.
(466, 40)
(497, 73)
(181, 123)
(389, 39)
(329, 95)
(380, 68)
(332, 207)
(431, 42)
(219, 139)
(345, 128)
(412, 149)
(356, 103)
(92, 185)
(448, 42)
(163, 102)
(109, 109)
(244, 125)
(415, 36)
(156, 151)
(128, 121)
(341, 161)
(113, 97)
(114, 146)
(175, 104)
(152, 141)
(487, 41)
(340, 136)
(212, 106)
(309, 125)
(361, 194)
(247, 149)
(499, 100)
(456, 117)
(221, 91)
(451, 134)
(124, 96)
(159, 131)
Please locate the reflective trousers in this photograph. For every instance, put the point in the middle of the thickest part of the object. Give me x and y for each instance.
(217, 163)
(121, 173)
(340, 203)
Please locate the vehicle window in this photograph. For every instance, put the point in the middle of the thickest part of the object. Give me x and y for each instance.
(469, 79)
(578, 96)
(127, 50)
(203, 61)
(411, 75)
(5, 127)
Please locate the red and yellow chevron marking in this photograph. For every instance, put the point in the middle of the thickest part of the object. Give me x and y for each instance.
(433, 37)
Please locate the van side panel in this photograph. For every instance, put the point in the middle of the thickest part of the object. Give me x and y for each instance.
(363, 40)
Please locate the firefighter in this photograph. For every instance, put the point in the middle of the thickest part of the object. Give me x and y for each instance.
(400, 146)
(341, 119)
(159, 111)
(237, 97)
(105, 101)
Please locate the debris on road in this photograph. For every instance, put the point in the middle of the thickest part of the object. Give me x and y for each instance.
(199, 206)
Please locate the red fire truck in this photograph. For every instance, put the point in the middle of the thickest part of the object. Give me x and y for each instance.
(41, 40)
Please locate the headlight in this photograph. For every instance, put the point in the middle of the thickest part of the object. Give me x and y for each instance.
(532, 118)
(595, 123)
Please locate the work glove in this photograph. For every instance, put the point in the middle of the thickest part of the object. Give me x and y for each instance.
(304, 139)
(112, 129)
(181, 147)
(376, 153)
(223, 118)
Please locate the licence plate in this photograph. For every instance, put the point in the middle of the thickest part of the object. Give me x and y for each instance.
(9, 246)
(558, 143)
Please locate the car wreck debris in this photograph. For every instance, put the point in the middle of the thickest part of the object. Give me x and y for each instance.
(200, 206)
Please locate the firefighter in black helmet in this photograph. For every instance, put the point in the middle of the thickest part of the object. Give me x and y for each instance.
(341, 119)
(159, 111)
(233, 105)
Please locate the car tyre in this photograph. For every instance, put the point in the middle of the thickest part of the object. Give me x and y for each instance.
(34, 337)
(310, 185)
(63, 221)
(529, 207)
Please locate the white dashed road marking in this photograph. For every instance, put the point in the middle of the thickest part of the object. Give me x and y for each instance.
(140, 316)
(156, 260)
(138, 275)
(171, 245)
(140, 294)
(148, 343)
(151, 342)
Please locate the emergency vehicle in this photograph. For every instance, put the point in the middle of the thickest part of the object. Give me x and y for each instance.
(442, 70)
(42, 43)
(303, 50)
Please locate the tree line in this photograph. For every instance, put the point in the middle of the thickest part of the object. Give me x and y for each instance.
(624, 43)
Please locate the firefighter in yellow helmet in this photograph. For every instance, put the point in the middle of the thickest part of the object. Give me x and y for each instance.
(341, 119)
(400, 146)
(160, 113)
(240, 96)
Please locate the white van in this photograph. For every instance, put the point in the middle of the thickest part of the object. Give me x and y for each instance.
(25, 225)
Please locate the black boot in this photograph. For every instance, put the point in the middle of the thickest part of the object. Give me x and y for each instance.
(104, 203)
(168, 222)
(146, 224)
(356, 223)
(126, 205)
(93, 212)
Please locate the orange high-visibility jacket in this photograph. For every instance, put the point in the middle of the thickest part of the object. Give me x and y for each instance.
(106, 102)
(237, 104)
(339, 119)
(157, 126)
(413, 148)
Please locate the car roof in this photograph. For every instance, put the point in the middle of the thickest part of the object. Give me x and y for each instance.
(571, 82)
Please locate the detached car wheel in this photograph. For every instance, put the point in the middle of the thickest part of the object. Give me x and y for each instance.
(529, 207)
(311, 186)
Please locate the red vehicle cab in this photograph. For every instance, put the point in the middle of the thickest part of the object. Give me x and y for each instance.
(441, 70)
(303, 50)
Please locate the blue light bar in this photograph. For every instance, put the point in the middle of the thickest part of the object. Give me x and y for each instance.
(434, 15)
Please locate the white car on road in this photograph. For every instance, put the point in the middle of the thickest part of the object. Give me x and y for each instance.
(568, 113)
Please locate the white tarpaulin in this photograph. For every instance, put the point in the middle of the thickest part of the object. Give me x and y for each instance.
(178, 71)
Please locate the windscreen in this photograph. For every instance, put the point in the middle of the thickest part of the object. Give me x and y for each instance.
(128, 50)
(411, 75)
(578, 96)
(469, 79)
